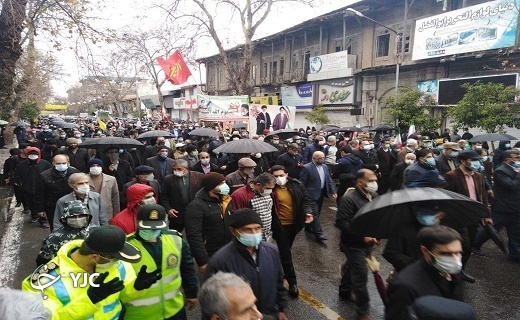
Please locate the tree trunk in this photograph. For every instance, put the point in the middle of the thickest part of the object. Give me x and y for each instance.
(11, 25)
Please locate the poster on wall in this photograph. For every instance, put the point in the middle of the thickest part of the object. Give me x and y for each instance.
(490, 25)
(228, 107)
(328, 62)
(335, 94)
(270, 118)
(297, 96)
(430, 87)
(265, 100)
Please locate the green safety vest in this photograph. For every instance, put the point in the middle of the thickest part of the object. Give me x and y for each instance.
(164, 298)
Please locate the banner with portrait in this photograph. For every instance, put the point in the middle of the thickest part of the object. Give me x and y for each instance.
(270, 117)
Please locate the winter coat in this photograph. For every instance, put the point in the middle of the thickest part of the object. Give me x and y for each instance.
(348, 206)
(290, 162)
(206, 225)
(52, 185)
(421, 175)
(302, 203)
(27, 172)
(126, 219)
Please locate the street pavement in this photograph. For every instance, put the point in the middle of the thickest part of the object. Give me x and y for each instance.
(495, 295)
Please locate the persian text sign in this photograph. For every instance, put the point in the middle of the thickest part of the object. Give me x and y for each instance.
(490, 25)
(328, 62)
(297, 96)
(336, 94)
(223, 105)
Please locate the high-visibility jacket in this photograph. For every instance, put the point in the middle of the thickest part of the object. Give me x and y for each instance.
(67, 302)
(164, 298)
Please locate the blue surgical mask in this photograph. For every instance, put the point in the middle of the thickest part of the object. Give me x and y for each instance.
(516, 164)
(430, 161)
(426, 220)
(475, 165)
(61, 167)
(249, 239)
(454, 154)
(224, 189)
(149, 235)
(484, 158)
(121, 150)
(440, 148)
(507, 145)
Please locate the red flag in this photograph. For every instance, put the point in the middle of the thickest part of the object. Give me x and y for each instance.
(175, 68)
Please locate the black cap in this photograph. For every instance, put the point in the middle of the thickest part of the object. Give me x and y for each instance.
(152, 216)
(111, 240)
(143, 169)
(469, 154)
(243, 217)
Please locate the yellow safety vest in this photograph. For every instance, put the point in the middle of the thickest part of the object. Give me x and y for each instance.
(164, 298)
(67, 302)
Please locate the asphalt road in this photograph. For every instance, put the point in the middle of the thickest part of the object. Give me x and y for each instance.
(495, 295)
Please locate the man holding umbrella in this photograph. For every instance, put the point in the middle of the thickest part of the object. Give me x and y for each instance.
(354, 272)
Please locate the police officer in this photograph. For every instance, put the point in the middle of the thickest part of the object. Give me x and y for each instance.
(166, 251)
(90, 278)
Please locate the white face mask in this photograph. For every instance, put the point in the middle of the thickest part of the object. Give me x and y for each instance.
(33, 157)
(366, 147)
(204, 161)
(106, 265)
(258, 155)
(96, 171)
(150, 177)
(409, 161)
(83, 189)
(77, 222)
(178, 173)
(371, 187)
(149, 200)
(321, 143)
(281, 181)
(451, 265)
(266, 192)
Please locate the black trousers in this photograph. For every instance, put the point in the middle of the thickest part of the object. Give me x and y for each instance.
(355, 278)
(285, 241)
(29, 200)
(315, 225)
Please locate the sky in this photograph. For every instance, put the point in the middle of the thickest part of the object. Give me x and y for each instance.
(121, 13)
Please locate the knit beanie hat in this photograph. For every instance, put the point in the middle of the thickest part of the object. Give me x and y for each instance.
(211, 180)
(243, 217)
(94, 161)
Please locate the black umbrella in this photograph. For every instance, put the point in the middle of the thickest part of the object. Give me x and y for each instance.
(65, 125)
(282, 134)
(349, 129)
(329, 127)
(245, 146)
(155, 134)
(492, 137)
(495, 236)
(205, 132)
(19, 124)
(239, 125)
(56, 119)
(110, 142)
(382, 127)
(387, 213)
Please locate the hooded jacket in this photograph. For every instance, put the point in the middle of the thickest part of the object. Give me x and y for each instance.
(27, 171)
(126, 219)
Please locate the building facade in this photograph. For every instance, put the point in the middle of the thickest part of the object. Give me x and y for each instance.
(351, 64)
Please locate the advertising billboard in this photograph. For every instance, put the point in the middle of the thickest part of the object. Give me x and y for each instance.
(297, 96)
(490, 25)
(273, 118)
(328, 62)
(223, 106)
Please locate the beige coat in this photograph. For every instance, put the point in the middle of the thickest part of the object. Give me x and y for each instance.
(109, 194)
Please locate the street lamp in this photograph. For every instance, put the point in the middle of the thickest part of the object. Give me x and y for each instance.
(397, 39)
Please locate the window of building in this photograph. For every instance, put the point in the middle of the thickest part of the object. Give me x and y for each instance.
(338, 45)
(351, 44)
(190, 92)
(274, 68)
(253, 72)
(282, 66)
(264, 70)
(306, 66)
(220, 75)
(383, 45)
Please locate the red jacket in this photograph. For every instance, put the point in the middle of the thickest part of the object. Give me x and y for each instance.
(242, 197)
(126, 219)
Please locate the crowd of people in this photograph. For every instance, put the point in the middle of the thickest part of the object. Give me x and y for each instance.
(150, 220)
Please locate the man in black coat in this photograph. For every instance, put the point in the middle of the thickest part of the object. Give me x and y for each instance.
(78, 157)
(204, 164)
(436, 274)
(294, 210)
(118, 168)
(387, 160)
(292, 161)
(355, 272)
(368, 156)
(397, 175)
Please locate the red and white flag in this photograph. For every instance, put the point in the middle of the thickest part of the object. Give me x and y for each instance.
(176, 70)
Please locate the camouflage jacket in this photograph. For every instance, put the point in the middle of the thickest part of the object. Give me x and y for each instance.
(54, 241)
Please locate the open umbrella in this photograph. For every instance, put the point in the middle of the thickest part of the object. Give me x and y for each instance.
(239, 125)
(19, 124)
(384, 215)
(155, 134)
(56, 119)
(329, 127)
(110, 142)
(492, 137)
(245, 146)
(349, 129)
(205, 132)
(282, 134)
(382, 127)
(65, 125)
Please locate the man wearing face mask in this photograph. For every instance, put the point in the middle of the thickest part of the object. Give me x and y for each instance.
(78, 157)
(397, 175)
(437, 273)
(292, 161)
(319, 143)
(242, 175)
(50, 150)
(106, 252)
(207, 222)
(80, 184)
(367, 154)
(423, 173)
(256, 261)
(75, 218)
(118, 168)
(262, 165)
(192, 157)
(448, 160)
(161, 164)
(355, 247)
(143, 175)
(167, 251)
(62, 139)
(498, 156)
(177, 191)
(180, 150)
(411, 146)
(105, 185)
(26, 177)
(137, 195)
(387, 161)
(53, 184)
(317, 180)
(204, 165)
(294, 210)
